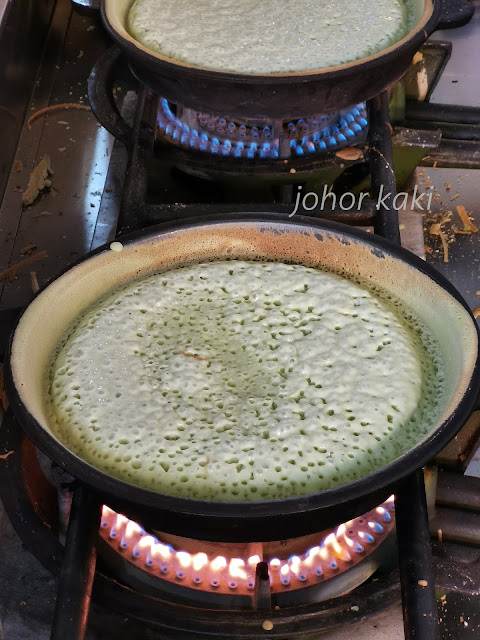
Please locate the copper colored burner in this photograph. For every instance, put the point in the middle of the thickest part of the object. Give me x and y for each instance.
(229, 568)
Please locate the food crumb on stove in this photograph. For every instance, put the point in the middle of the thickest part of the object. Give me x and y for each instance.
(34, 282)
(23, 603)
(267, 625)
(116, 246)
(355, 608)
(423, 583)
(80, 54)
(401, 227)
(292, 170)
(440, 535)
(350, 153)
(457, 195)
(448, 187)
(38, 181)
(18, 166)
(61, 149)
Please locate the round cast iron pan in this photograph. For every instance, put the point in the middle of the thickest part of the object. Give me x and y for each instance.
(246, 235)
(289, 95)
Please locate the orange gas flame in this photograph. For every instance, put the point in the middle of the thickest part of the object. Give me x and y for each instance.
(336, 551)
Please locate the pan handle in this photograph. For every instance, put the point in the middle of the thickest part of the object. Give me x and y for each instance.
(455, 13)
(100, 95)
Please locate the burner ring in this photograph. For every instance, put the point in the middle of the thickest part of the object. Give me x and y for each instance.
(270, 139)
(230, 569)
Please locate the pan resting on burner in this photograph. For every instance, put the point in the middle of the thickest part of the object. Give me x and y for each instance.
(240, 381)
(269, 36)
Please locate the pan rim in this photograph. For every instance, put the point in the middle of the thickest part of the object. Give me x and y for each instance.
(393, 472)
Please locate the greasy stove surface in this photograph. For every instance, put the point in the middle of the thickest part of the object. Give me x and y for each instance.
(79, 213)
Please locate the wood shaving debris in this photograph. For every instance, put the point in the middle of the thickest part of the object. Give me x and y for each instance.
(428, 249)
(418, 57)
(26, 251)
(435, 164)
(11, 272)
(468, 224)
(3, 398)
(350, 153)
(191, 355)
(53, 109)
(476, 312)
(423, 583)
(448, 187)
(34, 282)
(38, 181)
(43, 213)
(440, 535)
(436, 230)
(18, 166)
(5, 455)
(457, 195)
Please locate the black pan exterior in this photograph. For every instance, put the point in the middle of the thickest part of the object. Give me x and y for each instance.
(280, 95)
(256, 521)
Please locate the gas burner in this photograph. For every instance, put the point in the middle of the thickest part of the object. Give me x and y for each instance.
(269, 139)
(303, 565)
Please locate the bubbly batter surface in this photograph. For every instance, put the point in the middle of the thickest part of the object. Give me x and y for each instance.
(268, 36)
(243, 381)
